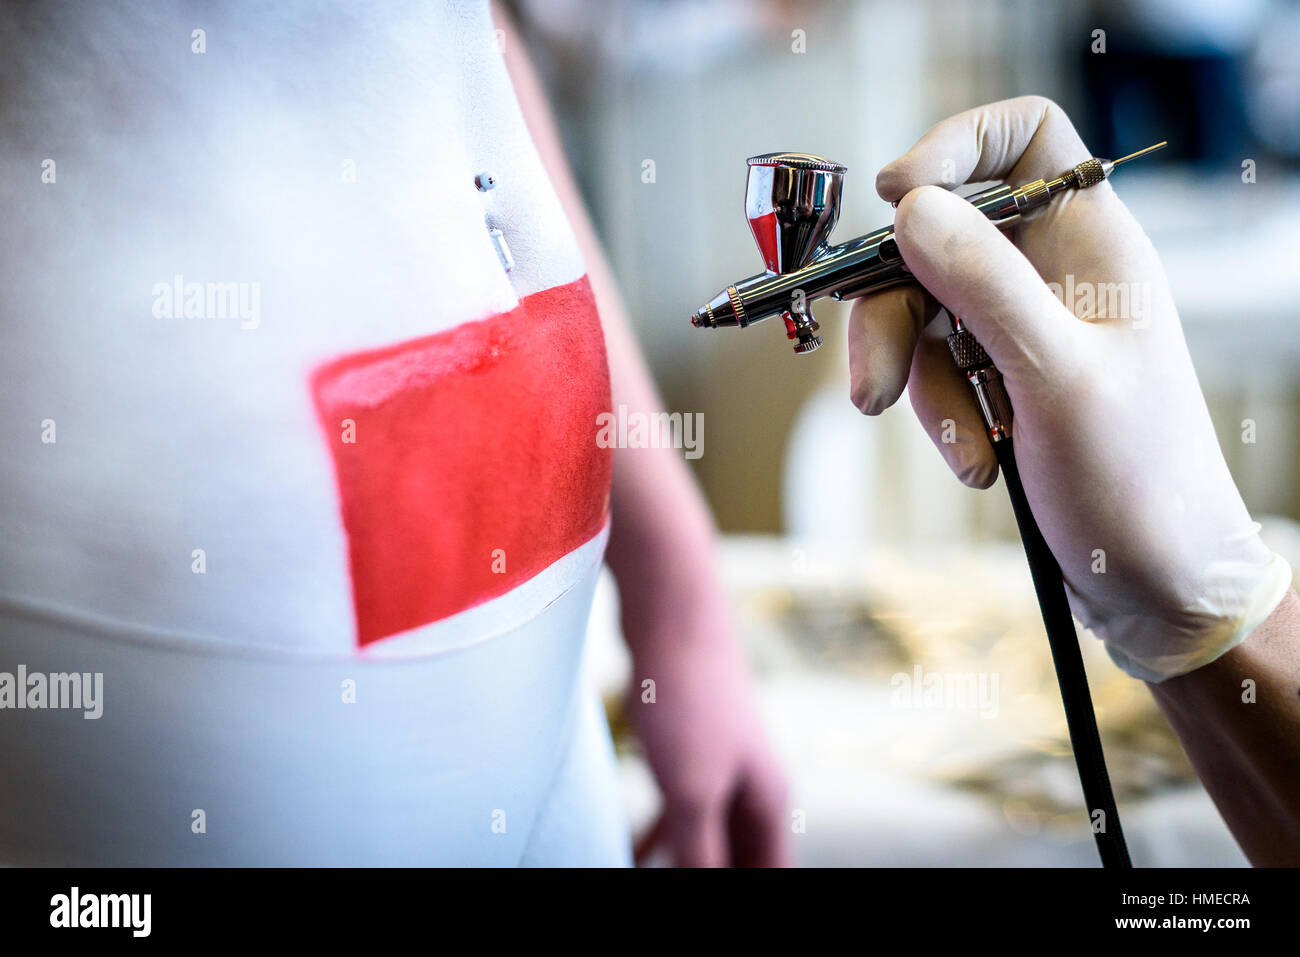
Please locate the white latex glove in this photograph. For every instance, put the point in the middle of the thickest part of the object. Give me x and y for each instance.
(1112, 435)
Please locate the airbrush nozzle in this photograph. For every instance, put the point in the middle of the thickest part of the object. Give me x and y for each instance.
(1108, 165)
(1087, 174)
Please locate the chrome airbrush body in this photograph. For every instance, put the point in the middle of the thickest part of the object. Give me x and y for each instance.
(792, 202)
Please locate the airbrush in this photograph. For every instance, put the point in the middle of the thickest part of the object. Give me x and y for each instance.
(792, 202)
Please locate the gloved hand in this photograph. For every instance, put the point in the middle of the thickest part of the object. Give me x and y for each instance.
(1119, 459)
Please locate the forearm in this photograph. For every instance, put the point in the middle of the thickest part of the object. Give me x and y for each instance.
(662, 547)
(662, 552)
(1239, 721)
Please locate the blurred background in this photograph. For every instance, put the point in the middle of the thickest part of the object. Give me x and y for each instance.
(890, 565)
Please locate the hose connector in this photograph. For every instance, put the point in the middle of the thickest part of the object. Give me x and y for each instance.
(990, 392)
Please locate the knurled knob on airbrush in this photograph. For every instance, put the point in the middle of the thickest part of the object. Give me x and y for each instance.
(1089, 173)
(966, 350)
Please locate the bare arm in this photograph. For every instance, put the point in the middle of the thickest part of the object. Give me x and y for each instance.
(1239, 721)
(724, 795)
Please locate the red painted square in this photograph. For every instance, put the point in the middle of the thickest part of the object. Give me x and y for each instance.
(479, 438)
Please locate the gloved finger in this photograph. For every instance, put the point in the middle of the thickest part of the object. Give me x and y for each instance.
(883, 329)
(698, 834)
(946, 408)
(974, 270)
(759, 833)
(1020, 139)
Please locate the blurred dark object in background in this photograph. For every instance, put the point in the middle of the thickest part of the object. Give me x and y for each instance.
(1217, 80)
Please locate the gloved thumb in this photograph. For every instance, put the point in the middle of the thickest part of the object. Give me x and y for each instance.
(970, 267)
